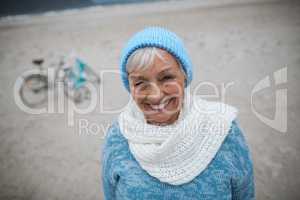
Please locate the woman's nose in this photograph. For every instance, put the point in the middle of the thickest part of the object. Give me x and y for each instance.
(155, 94)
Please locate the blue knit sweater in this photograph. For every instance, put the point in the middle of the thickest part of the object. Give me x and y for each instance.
(228, 176)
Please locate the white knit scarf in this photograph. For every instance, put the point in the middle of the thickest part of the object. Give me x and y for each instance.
(179, 152)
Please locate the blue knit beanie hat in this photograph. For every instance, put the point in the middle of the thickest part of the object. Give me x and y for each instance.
(160, 38)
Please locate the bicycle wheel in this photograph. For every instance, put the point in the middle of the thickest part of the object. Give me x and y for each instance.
(34, 90)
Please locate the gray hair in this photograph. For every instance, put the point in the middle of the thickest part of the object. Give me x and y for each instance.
(144, 57)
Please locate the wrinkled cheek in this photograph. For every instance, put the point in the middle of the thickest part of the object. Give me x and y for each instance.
(138, 94)
(173, 89)
(139, 97)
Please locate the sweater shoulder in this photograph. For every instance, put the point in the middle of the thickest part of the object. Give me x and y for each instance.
(113, 140)
(236, 146)
(236, 138)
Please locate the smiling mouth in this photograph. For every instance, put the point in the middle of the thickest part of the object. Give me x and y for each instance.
(161, 106)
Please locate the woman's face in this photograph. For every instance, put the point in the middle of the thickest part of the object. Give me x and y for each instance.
(158, 90)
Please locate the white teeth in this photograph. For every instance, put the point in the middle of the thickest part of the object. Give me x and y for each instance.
(160, 106)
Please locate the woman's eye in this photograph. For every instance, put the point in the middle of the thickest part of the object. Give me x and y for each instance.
(138, 83)
(168, 77)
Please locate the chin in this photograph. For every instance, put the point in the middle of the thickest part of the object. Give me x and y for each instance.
(162, 119)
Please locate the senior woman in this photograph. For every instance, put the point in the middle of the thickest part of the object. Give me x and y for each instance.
(168, 144)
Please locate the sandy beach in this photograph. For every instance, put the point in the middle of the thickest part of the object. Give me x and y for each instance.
(233, 44)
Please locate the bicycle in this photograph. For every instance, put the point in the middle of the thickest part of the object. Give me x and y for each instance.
(34, 86)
